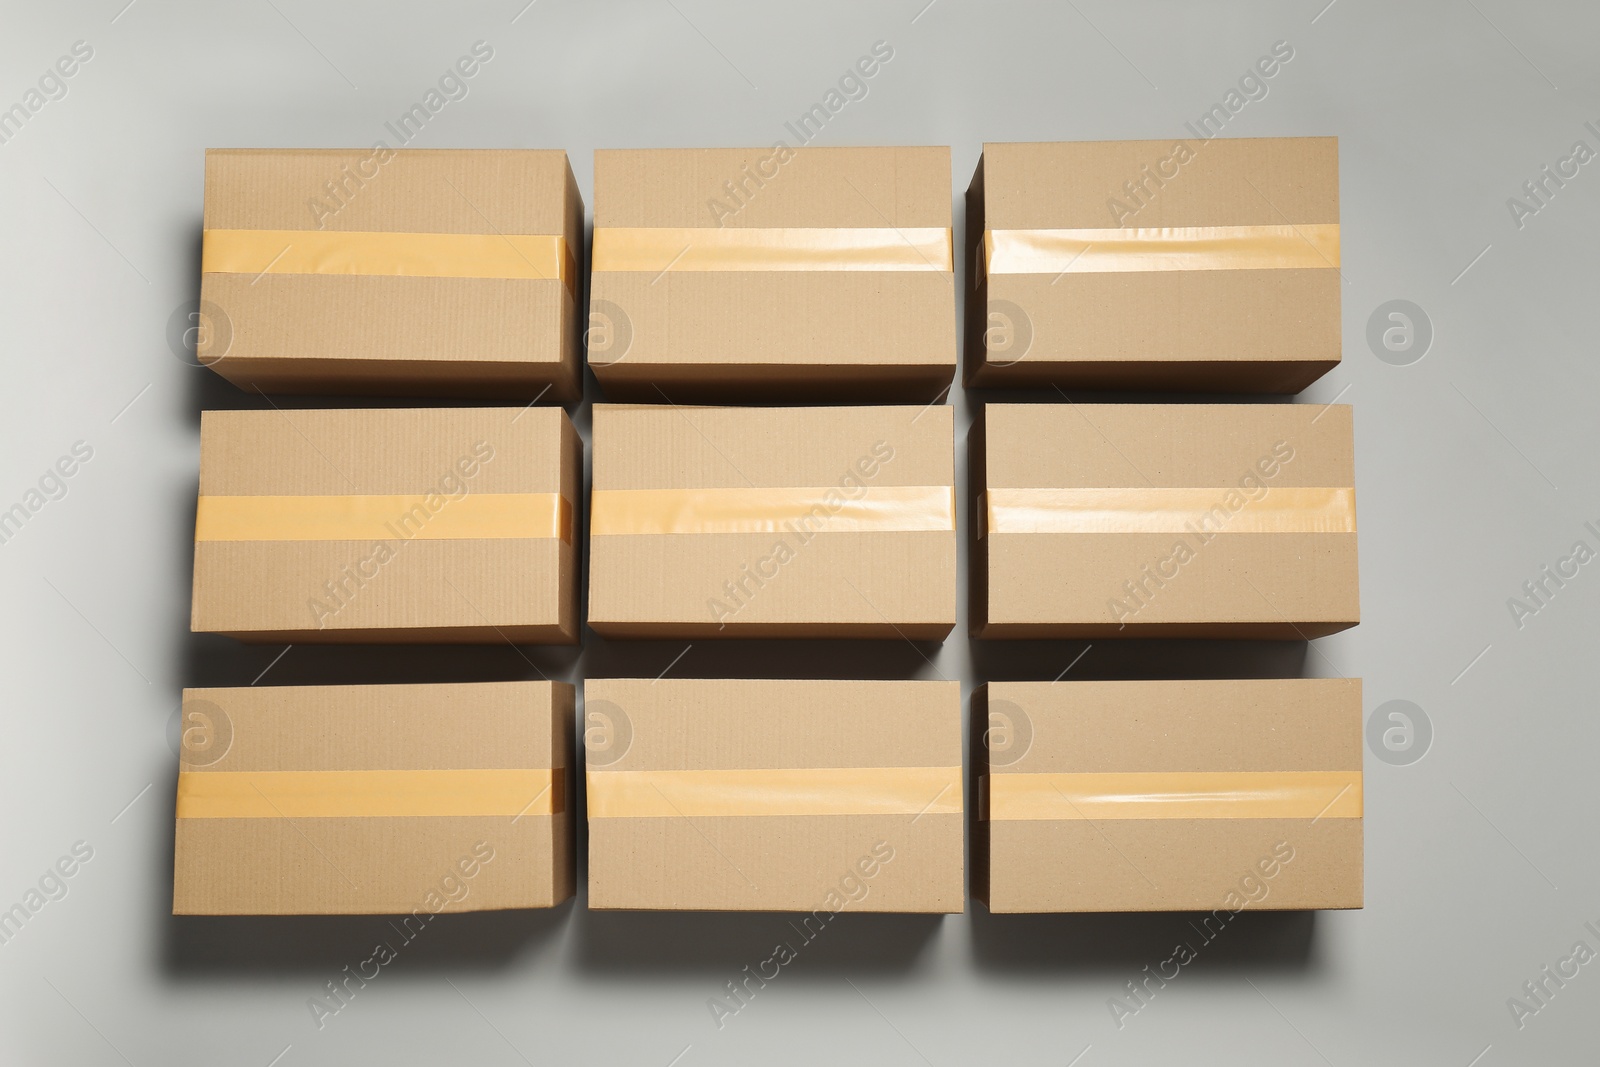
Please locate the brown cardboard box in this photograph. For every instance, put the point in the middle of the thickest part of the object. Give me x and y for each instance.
(1168, 796)
(814, 796)
(393, 272)
(772, 522)
(1156, 520)
(713, 279)
(374, 799)
(388, 525)
(1202, 264)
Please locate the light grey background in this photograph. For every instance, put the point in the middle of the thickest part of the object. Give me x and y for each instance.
(1476, 468)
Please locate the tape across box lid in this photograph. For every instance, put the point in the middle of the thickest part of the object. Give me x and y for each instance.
(1157, 796)
(809, 274)
(772, 522)
(1194, 520)
(392, 272)
(388, 525)
(815, 796)
(1187, 264)
(373, 799)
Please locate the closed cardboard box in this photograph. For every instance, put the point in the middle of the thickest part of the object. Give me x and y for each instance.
(374, 800)
(1199, 264)
(772, 522)
(1169, 796)
(1157, 520)
(809, 796)
(388, 525)
(392, 272)
(810, 274)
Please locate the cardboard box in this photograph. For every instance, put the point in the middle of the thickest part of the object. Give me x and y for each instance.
(393, 272)
(772, 522)
(1199, 264)
(1157, 520)
(388, 525)
(374, 800)
(1168, 796)
(798, 275)
(808, 796)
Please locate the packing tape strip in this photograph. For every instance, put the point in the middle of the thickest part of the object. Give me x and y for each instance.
(417, 255)
(664, 794)
(1090, 251)
(383, 518)
(1284, 509)
(1175, 795)
(370, 794)
(880, 509)
(657, 250)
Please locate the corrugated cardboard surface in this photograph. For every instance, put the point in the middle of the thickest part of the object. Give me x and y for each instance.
(311, 333)
(478, 590)
(1169, 864)
(1248, 585)
(376, 865)
(789, 335)
(1272, 331)
(779, 863)
(839, 584)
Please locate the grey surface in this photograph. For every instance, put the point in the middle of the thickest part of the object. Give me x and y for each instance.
(1476, 468)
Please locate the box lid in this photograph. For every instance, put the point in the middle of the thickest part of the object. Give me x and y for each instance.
(817, 576)
(433, 562)
(1259, 181)
(383, 272)
(271, 777)
(742, 768)
(1196, 264)
(1272, 816)
(691, 328)
(1219, 520)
